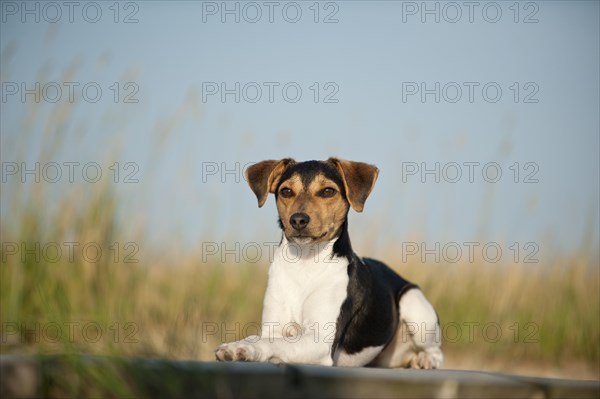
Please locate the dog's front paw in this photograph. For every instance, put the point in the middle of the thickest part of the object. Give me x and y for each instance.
(429, 359)
(238, 351)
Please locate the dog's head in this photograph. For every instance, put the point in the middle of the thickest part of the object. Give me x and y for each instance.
(313, 197)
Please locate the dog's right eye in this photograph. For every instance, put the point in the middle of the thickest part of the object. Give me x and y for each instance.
(286, 192)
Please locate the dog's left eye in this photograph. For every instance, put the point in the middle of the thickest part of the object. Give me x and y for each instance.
(286, 192)
(328, 192)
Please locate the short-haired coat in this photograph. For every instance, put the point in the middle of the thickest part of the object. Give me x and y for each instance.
(324, 304)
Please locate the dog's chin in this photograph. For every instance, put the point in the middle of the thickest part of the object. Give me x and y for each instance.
(306, 239)
(302, 240)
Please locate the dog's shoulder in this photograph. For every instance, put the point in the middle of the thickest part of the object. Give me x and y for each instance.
(383, 275)
(369, 314)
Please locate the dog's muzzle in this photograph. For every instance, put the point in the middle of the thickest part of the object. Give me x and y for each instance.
(299, 220)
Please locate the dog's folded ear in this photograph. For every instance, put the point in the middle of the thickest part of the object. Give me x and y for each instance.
(264, 176)
(359, 179)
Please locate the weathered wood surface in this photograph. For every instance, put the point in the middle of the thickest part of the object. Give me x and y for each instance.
(83, 376)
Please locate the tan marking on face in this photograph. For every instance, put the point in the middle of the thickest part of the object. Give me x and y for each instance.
(326, 213)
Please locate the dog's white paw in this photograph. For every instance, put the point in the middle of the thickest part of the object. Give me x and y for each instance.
(431, 359)
(240, 351)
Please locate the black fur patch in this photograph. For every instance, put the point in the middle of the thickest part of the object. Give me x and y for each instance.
(369, 315)
(342, 246)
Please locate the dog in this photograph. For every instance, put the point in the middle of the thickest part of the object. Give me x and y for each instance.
(323, 304)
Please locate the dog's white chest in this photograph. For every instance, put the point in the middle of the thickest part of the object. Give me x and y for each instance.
(306, 286)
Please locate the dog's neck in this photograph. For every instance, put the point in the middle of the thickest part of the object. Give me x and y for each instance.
(302, 252)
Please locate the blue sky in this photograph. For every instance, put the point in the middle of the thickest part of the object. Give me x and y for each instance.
(544, 122)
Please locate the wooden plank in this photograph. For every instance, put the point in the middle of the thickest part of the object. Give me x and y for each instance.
(82, 376)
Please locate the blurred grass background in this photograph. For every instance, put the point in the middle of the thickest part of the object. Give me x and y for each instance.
(536, 319)
(547, 315)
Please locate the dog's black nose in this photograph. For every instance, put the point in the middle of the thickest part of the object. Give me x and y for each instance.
(299, 220)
